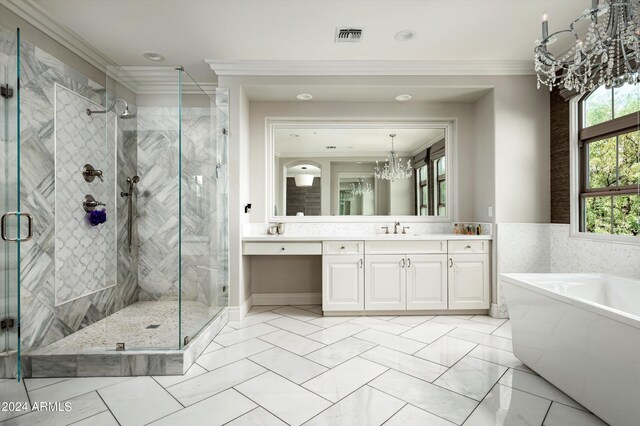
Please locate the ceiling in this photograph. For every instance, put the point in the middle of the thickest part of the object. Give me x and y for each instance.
(351, 142)
(187, 32)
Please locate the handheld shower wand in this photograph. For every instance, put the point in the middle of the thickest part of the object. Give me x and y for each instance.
(132, 182)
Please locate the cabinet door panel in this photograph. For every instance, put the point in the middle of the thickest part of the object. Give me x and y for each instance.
(342, 283)
(385, 282)
(426, 282)
(469, 284)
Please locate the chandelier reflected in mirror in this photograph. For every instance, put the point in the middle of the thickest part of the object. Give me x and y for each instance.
(394, 169)
(360, 188)
(607, 53)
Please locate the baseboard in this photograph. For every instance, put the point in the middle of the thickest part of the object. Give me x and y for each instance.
(494, 312)
(236, 313)
(287, 299)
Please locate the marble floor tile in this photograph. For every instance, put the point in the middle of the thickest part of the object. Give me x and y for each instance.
(288, 365)
(411, 415)
(482, 339)
(33, 384)
(307, 307)
(366, 406)
(561, 415)
(411, 320)
(83, 406)
(499, 356)
(213, 346)
(336, 333)
(432, 398)
(471, 377)
(391, 341)
(233, 353)
(103, 419)
(286, 400)
(381, 325)
(216, 410)
(292, 342)
(125, 400)
(256, 309)
(504, 406)
(340, 381)
(299, 314)
(250, 320)
(12, 391)
(316, 310)
(469, 324)
(336, 354)
(213, 382)
(428, 332)
(504, 330)
(404, 363)
(536, 385)
(295, 326)
(489, 320)
(243, 334)
(330, 321)
(257, 417)
(73, 387)
(446, 350)
(166, 381)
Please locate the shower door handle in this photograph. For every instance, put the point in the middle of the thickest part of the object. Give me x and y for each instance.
(3, 227)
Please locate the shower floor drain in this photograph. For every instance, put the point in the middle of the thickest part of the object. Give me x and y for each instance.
(153, 326)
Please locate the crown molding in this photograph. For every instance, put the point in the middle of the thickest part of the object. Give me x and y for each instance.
(42, 20)
(251, 67)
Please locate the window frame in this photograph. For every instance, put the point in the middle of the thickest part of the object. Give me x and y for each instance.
(580, 137)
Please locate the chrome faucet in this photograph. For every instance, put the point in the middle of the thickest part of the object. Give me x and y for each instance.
(395, 227)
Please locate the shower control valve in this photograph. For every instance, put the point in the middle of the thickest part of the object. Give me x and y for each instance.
(90, 173)
(89, 203)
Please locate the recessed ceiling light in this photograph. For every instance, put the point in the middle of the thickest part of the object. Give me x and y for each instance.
(405, 35)
(305, 96)
(404, 97)
(153, 56)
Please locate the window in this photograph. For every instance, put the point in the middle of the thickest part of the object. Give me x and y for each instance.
(422, 186)
(609, 141)
(441, 186)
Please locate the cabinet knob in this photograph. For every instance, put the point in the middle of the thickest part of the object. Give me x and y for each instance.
(468, 247)
(282, 248)
(342, 248)
(450, 263)
(402, 262)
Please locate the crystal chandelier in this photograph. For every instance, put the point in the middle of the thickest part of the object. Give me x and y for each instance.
(394, 169)
(608, 54)
(361, 188)
(346, 196)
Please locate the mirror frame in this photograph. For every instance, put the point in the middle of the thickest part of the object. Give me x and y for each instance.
(447, 125)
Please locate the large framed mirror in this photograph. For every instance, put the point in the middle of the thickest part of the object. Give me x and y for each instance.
(335, 171)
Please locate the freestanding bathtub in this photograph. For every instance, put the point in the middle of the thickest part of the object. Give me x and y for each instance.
(581, 332)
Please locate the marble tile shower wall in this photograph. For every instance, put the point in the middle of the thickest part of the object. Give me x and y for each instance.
(85, 255)
(204, 213)
(43, 322)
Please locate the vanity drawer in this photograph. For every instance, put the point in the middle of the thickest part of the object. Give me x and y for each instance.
(405, 247)
(343, 247)
(284, 248)
(462, 246)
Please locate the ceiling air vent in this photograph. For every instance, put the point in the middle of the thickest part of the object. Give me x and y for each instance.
(348, 34)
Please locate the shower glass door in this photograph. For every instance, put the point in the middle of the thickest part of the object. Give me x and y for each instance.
(10, 204)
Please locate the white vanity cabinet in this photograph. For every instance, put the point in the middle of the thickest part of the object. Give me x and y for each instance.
(426, 281)
(385, 282)
(469, 275)
(343, 276)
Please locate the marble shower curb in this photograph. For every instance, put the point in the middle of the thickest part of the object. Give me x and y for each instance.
(125, 363)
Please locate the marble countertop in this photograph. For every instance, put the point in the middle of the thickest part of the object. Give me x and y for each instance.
(365, 237)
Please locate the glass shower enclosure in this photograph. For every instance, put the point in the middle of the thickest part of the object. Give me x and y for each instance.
(12, 217)
(127, 182)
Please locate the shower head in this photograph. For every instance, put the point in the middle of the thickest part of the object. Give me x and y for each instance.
(125, 115)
